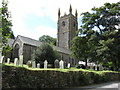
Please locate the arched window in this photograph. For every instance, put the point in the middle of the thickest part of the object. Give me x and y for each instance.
(16, 51)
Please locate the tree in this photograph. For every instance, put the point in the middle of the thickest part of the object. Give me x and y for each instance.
(99, 27)
(48, 39)
(84, 46)
(45, 52)
(6, 27)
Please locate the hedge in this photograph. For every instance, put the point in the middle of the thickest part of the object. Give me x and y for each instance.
(20, 77)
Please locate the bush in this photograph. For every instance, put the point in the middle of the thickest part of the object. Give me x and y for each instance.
(45, 52)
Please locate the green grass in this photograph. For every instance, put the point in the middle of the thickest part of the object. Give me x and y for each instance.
(57, 69)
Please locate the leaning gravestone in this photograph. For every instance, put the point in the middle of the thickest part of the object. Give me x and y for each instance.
(45, 64)
(56, 63)
(68, 66)
(8, 60)
(38, 65)
(33, 64)
(16, 62)
(1, 59)
(21, 60)
(61, 64)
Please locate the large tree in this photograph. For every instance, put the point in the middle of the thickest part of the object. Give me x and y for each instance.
(48, 39)
(5, 28)
(99, 27)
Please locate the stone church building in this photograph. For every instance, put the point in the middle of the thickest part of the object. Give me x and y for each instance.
(66, 30)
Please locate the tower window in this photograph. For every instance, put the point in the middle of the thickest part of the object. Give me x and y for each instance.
(63, 23)
(74, 24)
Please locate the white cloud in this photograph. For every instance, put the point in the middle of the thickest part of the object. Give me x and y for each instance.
(22, 8)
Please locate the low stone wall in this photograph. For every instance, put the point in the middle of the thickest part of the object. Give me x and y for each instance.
(19, 77)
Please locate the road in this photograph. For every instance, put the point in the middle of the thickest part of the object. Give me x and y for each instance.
(104, 86)
(109, 85)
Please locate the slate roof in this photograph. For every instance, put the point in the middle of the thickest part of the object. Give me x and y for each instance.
(33, 42)
(29, 41)
(62, 50)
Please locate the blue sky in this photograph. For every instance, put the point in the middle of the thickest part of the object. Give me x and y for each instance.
(34, 18)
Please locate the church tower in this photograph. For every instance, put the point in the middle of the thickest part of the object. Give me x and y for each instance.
(67, 26)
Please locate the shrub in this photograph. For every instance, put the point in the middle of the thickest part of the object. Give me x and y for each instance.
(45, 52)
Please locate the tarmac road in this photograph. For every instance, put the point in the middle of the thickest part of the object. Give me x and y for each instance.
(104, 86)
(109, 85)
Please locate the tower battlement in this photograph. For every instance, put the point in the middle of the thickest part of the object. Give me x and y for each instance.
(67, 26)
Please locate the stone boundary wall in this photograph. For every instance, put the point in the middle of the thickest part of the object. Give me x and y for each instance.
(19, 77)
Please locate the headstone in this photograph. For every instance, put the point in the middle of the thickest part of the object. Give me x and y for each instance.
(1, 59)
(91, 67)
(16, 61)
(38, 65)
(45, 64)
(61, 64)
(21, 60)
(33, 64)
(29, 63)
(96, 67)
(8, 60)
(68, 66)
(100, 67)
(56, 63)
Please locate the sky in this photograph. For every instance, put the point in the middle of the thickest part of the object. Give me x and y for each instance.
(34, 18)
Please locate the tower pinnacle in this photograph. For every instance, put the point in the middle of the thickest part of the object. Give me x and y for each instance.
(76, 14)
(70, 10)
(58, 12)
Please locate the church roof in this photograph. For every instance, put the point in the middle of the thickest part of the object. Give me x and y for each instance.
(36, 43)
(29, 41)
(62, 50)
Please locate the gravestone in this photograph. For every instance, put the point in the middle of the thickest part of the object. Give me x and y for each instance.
(38, 65)
(16, 62)
(68, 66)
(100, 67)
(91, 67)
(96, 67)
(61, 64)
(21, 60)
(33, 64)
(1, 59)
(29, 63)
(45, 64)
(8, 60)
(56, 63)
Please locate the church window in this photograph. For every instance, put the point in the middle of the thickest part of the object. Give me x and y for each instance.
(74, 24)
(63, 23)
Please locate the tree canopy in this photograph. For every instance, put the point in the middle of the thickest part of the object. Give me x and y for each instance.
(48, 39)
(6, 25)
(99, 36)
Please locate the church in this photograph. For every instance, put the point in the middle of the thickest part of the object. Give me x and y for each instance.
(67, 26)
